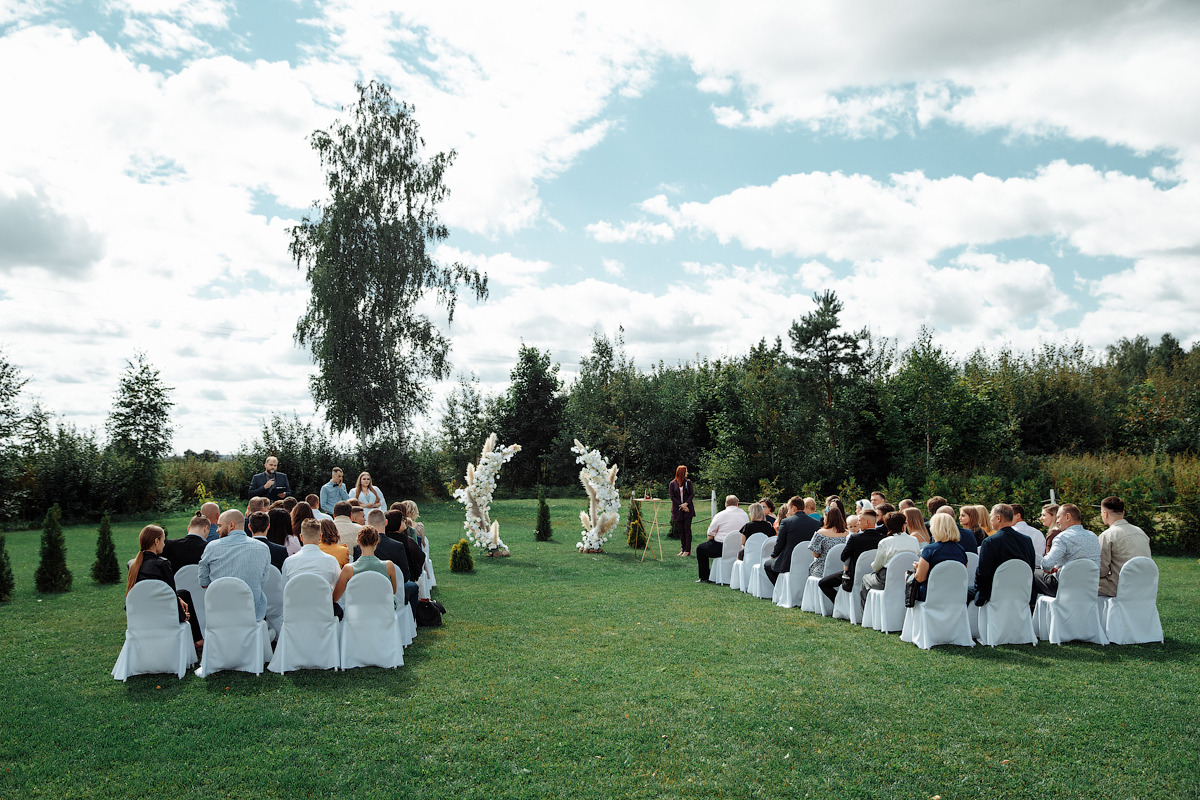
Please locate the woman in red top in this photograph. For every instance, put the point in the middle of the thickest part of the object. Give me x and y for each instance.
(683, 508)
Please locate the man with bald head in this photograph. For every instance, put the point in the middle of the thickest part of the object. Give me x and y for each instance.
(210, 511)
(727, 522)
(236, 555)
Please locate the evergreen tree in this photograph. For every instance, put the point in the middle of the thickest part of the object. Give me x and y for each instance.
(460, 557)
(105, 569)
(543, 532)
(7, 583)
(530, 413)
(139, 430)
(52, 574)
(636, 536)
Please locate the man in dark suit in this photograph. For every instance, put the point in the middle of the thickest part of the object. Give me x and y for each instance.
(797, 528)
(270, 483)
(1005, 544)
(856, 545)
(181, 552)
(257, 524)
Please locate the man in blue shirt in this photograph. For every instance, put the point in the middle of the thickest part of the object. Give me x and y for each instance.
(333, 492)
(236, 555)
(1073, 542)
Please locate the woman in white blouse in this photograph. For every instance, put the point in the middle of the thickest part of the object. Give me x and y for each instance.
(367, 494)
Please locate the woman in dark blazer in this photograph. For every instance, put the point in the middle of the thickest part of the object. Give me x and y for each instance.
(683, 508)
(151, 565)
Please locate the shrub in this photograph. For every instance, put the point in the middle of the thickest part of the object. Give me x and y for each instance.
(52, 574)
(543, 531)
(7, 583)
(105, 569)
(460, 557)
(636, 536)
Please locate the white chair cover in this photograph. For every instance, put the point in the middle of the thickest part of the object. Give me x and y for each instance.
(233, 637)
(1005, 617)
(972, 567)
(404, 612)
(428, 563)
(739, 578)
(722, 568)
(814, 599)
(1132, 616)
(884, 610)
(189, 578)
(308, 638)
(370, 628)
(847, 605)
(155, 639)
(760, 585)
(273, 589)
(1074, 614)
(788, 592)
(942, 617)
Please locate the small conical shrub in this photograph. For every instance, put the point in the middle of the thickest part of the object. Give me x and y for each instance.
(460, 557)
(543, 531)
(636, 536)
(52, 574)
(105, 569)
(7, 584)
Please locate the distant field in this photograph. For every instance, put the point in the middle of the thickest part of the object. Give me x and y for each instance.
(596, 676)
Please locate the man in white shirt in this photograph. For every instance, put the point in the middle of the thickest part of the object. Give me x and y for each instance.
(728, 521)
(1021, 526)
(311, 558)
(314, 503)
(897, 542)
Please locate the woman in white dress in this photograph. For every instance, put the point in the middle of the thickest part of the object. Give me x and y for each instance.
(367, 494)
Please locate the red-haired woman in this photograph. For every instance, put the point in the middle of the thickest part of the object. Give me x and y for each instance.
(683, 508)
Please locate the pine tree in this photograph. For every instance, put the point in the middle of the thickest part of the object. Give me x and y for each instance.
(7, 583)
(636, 536)
(543, 532)
(105, 569)
(52, 574)
(460, 557)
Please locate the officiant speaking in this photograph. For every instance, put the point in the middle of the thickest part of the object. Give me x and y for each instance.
(270, 483)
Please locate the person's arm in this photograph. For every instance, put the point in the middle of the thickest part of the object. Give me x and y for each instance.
(391, 568)
(985, 572)
(922, 571)
(259, 489)
(1055, 557)
(344, 577)
(203, 570)
(1105, 555)
(712, 527)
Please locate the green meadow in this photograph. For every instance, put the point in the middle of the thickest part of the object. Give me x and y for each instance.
(596, 676)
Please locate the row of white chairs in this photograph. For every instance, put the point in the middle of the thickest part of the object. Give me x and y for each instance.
(1076, 613)
(373, 632)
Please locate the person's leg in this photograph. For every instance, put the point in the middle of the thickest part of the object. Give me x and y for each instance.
(1047, 585)
(769, 568)
(829, 585)
(706, 551)
(685, 535)
(337, 610)
(410, 592)
(193, 622)
(872, 580)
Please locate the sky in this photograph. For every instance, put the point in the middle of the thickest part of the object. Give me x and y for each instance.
(693, 172)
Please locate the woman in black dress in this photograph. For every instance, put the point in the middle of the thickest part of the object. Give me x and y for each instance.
(150, 564)
(683, 508)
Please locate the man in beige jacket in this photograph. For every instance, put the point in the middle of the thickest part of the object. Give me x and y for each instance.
(1119, 543)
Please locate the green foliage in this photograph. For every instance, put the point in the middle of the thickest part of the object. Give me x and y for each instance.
(542, 532)
(105, 569)
(52, 574)
(139, 432)
(367, 258)
(850, 492)
(894, 489)
(983, 490)
(635, 536)
(825, 360)
(461, 559)
(530, 414)
(7, 581)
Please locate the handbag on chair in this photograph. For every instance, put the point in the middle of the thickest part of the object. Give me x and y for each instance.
(912, 589)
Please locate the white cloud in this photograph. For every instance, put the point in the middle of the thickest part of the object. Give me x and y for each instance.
(502, 269)
(613, 268)
(607, 233)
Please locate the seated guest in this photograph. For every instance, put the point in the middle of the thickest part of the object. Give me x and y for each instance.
(878, 501)
(932, 505)
(852, 524)
(347, 530)
(313, 502)
(256, 504)
(394, 548)
(312, 559)
(397, 528)
(1049, 522)
(280, 527)
(966, 537)
(905, 505)
(985, 520)
(333, 492)
(834, 533)
(914, 525)
(331, 543)
(768, 510)
(1003, 545)
(726, 522)
(367, 561)
(259, 523)
(810, 508)
(288, 503)
(968, 517)
(944, 547)
(1073, 542)
(897, 541)
(185, 551)
(411, 515)
(796, 529)
(865, 540)
(1021, 526)
(300, 512)
(149, 564)
(1121, 541)
(757, 524)
(210, 511)
(236, 555)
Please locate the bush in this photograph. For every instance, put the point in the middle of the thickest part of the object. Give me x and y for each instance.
(635, 537)
(7, 582)
(52, 574)
(543, 531)
(460, 557)
(105, 570)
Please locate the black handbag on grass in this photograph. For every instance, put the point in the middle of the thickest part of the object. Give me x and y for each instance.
(428, 613)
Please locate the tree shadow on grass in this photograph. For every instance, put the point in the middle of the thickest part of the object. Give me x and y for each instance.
(1044, 654)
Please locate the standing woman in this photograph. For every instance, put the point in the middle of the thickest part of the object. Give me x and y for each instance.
(683, 508)
(150, 565)
(367, 494)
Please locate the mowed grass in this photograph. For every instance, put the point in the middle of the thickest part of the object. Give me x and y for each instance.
(597, 676)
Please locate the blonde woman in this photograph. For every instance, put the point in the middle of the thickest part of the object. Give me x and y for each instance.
(985, 520)
(945, 547)
(914, 524)
(417, 531)
(367, 494)
(150, 565)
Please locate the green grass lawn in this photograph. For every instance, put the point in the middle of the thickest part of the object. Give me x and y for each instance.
(596, 676)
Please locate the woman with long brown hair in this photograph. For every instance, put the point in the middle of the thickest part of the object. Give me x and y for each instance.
(683, 508)
(150, 565)
(914, 524)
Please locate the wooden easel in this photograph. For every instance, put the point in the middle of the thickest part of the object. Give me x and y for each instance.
(653, 528)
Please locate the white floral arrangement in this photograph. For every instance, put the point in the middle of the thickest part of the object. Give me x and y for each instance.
(604, 506)
(476, 496)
